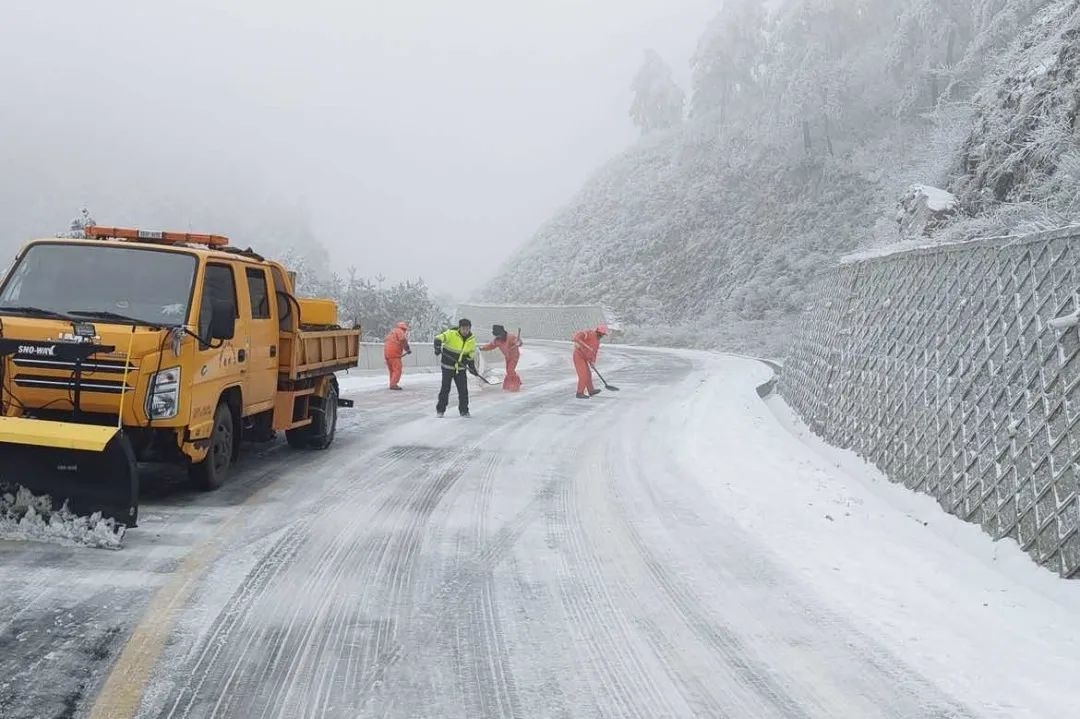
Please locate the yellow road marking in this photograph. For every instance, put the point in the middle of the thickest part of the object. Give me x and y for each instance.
(123, 690)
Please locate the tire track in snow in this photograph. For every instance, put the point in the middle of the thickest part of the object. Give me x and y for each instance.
(368, 568)
(450, 601)
(619, 650)
(237, 612)
(483, 660)
(721, 639)
(392, 561)
(454, 596)
(748, 673)
(599, 624)
(385, 562)
(890, 687)
(490, 672)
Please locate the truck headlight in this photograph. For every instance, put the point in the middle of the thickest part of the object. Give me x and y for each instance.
(163, 397)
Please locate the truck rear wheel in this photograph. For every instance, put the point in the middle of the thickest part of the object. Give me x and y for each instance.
(320, 433)
(212, 472)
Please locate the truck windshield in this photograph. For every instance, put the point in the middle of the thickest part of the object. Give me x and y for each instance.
(84, 280)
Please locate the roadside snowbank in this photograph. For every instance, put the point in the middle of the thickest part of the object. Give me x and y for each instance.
(990, 626)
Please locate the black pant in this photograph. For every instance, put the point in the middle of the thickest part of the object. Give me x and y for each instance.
(461, 379)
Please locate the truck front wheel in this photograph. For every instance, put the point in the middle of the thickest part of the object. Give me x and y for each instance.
(320, 433)
(212, 472)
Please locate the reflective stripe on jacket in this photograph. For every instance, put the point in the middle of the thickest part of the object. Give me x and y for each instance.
(455, 351)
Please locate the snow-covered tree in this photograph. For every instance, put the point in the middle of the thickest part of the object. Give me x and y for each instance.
(727, 62)
(930, 39)
(77, 229)
(825, 75)
(307, 281)
(378, 309)
(658, 100)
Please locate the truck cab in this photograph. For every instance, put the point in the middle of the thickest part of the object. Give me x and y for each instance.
(180, 343)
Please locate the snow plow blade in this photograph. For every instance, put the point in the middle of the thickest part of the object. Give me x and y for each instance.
(90, 467)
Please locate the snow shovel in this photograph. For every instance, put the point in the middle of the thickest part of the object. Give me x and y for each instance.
(481, 377)
(608, 387)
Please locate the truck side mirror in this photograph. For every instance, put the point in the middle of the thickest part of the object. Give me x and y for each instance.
(222, 321)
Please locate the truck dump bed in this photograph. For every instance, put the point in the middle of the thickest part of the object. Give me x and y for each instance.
(310, 353)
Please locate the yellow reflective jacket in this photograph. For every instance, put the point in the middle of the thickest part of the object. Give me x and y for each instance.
(457, 352)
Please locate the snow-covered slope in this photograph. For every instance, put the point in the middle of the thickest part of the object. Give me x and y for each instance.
(709, 234)
(675, 236)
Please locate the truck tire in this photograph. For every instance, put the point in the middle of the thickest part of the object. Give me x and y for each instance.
(212, 472)
(320, 433)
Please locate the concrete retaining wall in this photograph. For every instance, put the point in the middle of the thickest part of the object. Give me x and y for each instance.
(538, 323)
(423, 357)
(945, 367)
(371, 356)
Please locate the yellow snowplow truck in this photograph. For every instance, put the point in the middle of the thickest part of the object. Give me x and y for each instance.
(132, 346)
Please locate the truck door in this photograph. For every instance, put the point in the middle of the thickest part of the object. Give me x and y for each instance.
(220, 366)
(260, 338)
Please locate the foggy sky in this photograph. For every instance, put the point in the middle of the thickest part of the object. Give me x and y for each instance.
(426, 138)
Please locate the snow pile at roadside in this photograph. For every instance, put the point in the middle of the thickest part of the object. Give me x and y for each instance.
(24, 516)
(977, 614)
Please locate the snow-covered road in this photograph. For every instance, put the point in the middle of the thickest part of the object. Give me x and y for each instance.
(681, 548)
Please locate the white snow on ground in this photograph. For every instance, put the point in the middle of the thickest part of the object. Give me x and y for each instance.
(680, 548)
(26, 517)
(990, 626)
(374, 380)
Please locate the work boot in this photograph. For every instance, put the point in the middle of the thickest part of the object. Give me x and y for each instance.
(440, 415)
(395, 387)
(594, 391)
(466, 415)
(582, 395)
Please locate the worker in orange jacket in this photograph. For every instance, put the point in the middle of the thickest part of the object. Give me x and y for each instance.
(586, 350)
(510, 346)
(395, 347)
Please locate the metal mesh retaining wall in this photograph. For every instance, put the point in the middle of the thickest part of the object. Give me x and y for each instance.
(942, 368)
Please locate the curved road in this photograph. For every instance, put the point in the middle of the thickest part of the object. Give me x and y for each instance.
(549, 557)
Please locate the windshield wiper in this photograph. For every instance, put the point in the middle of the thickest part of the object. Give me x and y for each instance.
(35, 311)
(113, 316)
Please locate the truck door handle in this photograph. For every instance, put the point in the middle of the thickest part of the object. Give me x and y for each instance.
(273, 350)
(241, 355)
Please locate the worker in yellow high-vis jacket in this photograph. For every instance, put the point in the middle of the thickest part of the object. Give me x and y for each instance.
(456, 349)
